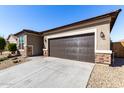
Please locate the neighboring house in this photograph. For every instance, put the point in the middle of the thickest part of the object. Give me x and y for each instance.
(118, 48)
(12, 39)
(87, 40)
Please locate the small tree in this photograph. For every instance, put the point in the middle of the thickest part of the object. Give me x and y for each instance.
(2, 44)
(12, 47)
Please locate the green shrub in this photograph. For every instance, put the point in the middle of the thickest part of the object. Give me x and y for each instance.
(12, 47)
(2, 44)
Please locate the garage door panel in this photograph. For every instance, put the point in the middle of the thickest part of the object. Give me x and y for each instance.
(76, 47)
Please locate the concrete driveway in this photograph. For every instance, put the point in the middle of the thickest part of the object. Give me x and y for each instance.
(47, 72)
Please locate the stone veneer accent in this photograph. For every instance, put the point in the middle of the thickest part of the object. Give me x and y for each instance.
(103, 58)
(45, 52)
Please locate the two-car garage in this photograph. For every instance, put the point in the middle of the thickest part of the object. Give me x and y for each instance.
(79, 47)
(87, 40)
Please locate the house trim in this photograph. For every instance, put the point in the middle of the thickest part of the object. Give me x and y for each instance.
(104, 51)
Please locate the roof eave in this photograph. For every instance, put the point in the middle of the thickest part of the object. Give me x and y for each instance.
(26, 31)
(113, 15)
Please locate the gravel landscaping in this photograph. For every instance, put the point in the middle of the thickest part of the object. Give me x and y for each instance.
(105, 76)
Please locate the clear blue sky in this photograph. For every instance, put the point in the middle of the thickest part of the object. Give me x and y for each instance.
(15, 18)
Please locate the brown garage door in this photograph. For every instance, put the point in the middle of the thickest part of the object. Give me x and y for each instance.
(79, 48)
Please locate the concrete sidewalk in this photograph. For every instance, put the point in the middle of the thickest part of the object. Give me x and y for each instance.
(48, 72)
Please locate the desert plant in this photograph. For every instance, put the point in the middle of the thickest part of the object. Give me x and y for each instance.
(2, 44)
(12, 47)
(2, 59)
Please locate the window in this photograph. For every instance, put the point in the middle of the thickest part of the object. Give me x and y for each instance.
(21, 42)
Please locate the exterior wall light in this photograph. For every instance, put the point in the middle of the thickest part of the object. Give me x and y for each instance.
(102, 35)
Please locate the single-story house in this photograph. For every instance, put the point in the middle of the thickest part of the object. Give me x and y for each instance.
(12, 39)
(87, 40)
(118, 48)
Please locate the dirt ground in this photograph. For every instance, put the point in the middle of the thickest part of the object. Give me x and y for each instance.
(4, 54)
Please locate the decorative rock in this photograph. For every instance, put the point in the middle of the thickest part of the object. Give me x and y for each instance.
(104, 76)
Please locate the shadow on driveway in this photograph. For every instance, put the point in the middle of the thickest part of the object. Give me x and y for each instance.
(118, 62)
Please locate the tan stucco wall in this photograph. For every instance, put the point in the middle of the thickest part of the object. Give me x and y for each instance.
(100, 44)
(103, 44)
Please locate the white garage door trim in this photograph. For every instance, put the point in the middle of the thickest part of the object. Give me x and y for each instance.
(73, 32)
